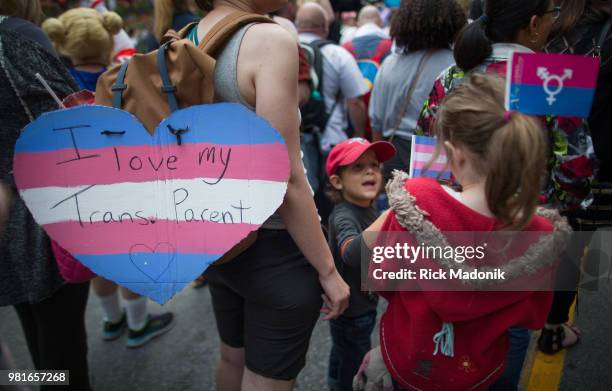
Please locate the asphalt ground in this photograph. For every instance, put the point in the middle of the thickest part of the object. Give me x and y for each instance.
(185, 358)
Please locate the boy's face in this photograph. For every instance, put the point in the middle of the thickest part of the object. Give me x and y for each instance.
(360, 181)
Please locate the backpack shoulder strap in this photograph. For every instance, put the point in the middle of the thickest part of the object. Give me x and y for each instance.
(602, 36)
(119, 86)
(168, 88)
(218, 35)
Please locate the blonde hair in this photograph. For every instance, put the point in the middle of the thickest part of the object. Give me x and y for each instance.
(84, 33)
(164, 13)
(509, 147)
(29, 10)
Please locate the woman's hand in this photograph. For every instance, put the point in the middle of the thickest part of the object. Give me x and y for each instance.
(336, 296)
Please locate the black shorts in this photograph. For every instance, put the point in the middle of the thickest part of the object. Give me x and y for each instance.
(267, 301)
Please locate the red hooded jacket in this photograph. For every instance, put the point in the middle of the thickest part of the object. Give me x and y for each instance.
(478, 321)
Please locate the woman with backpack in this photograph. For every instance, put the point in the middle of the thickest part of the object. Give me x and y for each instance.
(268, 299)
(423, 30)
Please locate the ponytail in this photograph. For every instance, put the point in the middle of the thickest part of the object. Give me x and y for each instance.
(509, 148)
(500, 23)
(517, 160)
(472, 46)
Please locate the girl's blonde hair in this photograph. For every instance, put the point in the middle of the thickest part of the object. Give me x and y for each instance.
(164, 13)
(508, 147)
(29, 10)
(84, 33)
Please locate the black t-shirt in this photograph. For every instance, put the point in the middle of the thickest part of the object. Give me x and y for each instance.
(346, 223)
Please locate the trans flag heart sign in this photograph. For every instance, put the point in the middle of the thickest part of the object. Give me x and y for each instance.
(421, 164)
(151, 212)
(555, 84)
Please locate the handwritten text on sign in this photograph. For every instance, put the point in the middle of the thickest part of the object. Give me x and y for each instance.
(151, 211)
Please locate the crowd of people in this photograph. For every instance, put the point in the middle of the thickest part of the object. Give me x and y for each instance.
(347, 86)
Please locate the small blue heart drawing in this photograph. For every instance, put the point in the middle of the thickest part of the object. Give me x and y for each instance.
(152, 262)
(151, 212)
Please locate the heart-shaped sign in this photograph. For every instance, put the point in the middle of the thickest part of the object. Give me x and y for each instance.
(151, 212)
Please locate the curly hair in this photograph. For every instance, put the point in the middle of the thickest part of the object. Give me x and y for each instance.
(427, 24)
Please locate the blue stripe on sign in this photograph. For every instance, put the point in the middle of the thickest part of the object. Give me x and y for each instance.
(425, 140)
(161, 278)
(222, 123)
(531, 99)
(417, 173)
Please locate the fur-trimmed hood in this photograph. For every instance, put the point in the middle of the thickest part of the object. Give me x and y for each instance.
(540, 255)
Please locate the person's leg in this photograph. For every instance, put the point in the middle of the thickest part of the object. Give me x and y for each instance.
(282, 306)
(62, 334)
(114, 322)
(230, 369)
(228, 307)
(351, 339)
(519, 343)
(254, 382)
(556, 335)
(338, 350)
(30, 330)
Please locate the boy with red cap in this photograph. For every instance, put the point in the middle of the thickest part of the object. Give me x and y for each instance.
(355, 180)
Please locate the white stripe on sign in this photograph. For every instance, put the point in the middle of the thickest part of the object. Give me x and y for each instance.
(251, 201)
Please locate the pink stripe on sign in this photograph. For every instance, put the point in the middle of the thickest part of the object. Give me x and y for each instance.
(583, 69)
(436, 167)
(101, 238)
(146, 164)
(424, 148)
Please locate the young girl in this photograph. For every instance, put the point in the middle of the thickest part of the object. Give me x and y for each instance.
(86, 37)
(437, 340)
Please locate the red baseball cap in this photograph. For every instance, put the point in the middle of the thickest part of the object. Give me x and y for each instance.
(350, 150)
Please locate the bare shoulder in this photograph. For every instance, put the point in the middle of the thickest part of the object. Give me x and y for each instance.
(269, 39)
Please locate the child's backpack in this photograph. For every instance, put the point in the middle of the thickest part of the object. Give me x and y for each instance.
(369, 65)
(175, 76)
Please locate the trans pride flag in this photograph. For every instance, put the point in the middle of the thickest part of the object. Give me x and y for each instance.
(423, 148)
(551, 84)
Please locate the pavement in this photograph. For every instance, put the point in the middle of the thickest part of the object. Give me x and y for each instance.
(185, 358)
(182, 359)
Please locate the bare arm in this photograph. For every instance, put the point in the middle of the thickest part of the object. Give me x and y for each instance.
(272, 58)
(357, 113)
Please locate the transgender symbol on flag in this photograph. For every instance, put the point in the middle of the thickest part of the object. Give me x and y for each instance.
(548, 81)
(551, 84)
(421, 155)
